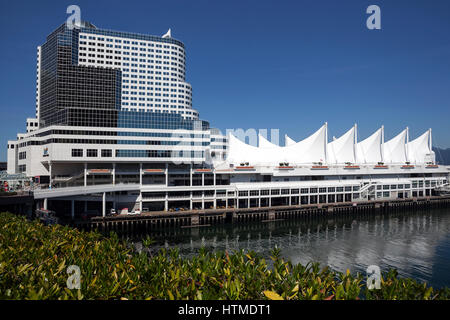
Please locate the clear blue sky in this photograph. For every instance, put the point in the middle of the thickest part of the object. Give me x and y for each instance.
(290, 65)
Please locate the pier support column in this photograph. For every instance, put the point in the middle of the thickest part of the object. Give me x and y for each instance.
(50, 173)
(45, 203)
(271, 215)
(72, 208)
(85, 174)
(195, 220)
(104, 205)
(166, 202)
(114, 174)
(166, 172)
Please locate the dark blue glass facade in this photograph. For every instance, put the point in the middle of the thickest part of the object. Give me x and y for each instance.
(71, 94)
(157, 120)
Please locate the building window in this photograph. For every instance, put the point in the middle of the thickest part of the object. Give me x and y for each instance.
(77, 152)
(92, 153)
(106, 153)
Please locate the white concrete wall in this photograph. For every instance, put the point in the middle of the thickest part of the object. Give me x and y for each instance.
(12, 157)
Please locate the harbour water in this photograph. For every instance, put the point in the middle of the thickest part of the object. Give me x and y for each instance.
(416, 243)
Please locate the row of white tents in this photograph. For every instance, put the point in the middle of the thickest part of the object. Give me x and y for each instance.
(345, 149)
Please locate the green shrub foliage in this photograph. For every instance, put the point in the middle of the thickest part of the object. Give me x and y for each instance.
(34, 259)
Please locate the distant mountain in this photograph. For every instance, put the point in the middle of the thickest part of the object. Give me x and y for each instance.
(442, 155)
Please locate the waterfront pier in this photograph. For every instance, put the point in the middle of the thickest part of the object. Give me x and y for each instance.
(130, 224)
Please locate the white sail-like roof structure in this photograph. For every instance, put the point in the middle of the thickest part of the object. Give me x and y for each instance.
(288, 141)
(311, 149)
(266, 144)
(239, 151)
(342, 149)
(369, 150)
(419, 149)
(394, 150)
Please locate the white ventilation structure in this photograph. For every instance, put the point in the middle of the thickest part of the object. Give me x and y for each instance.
(168, 34)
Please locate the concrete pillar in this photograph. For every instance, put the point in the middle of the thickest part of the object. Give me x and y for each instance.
(50, 173)
(45, 204)
(72, 208)
(203, 199)
(114, 174)
(104, 204)
(190, 174)
(166, 202)
(203, 179)
(167, 174)
(140, 205)
(270, 201)
(140, 174)
(214, 177)
(248, 203)
(85, 174)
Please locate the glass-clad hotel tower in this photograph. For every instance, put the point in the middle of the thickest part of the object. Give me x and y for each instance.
(85, 75)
